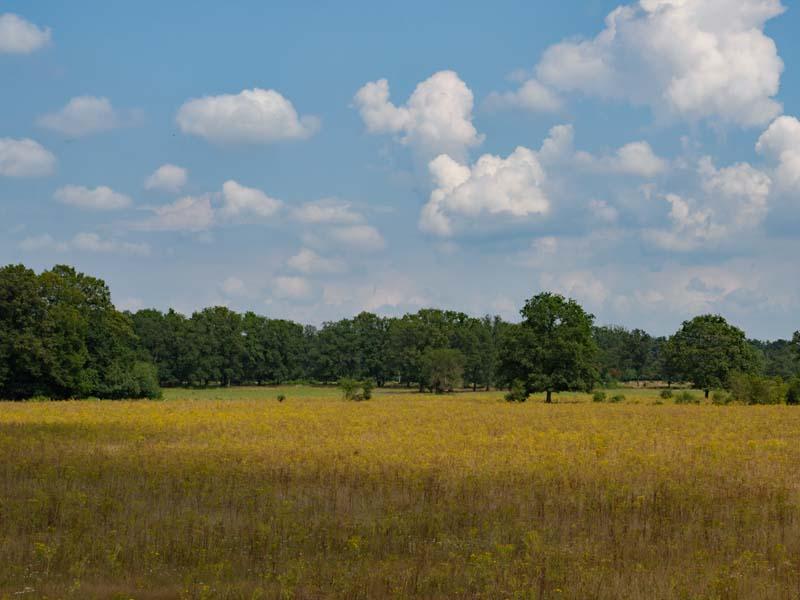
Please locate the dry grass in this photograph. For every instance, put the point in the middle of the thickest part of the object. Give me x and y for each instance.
(402, 496)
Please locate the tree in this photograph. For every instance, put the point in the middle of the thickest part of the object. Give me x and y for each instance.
(796, 344)
(708, 350)
(552, 349)
(442, 369)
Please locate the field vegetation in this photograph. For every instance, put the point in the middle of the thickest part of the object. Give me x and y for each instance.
(228, 493)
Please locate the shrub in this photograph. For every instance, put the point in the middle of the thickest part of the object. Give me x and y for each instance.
(793, 391)
(517, 393)
(281, 397)
(686, 397)
(353, 389)
(755, 389)
(599, 397)
(720, 397)
(666, 394)
(618, 398)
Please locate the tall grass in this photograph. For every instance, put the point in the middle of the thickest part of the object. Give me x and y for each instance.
(405, 495)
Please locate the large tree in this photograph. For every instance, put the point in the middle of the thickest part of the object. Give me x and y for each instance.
(552, 349)
(442, 369)
(707, 350)
(796, 344)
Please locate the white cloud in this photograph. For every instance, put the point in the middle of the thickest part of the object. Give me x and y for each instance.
(695, 59)
(91, 242)
(363, 237)
(327, 211)
(582, 286)
(636, 158)
(130, 304)
(492, 186)
(291, 288)
(99, 198)
(734, 201)
(25, 158)
(169, 178)
(86, 115)
(437, 119)
(240, 201)
(18, 36)
(781, 142)
(85, 242)
(603, 211)
(190, 213)
(392, 292)
(307, 261)
(42, 242)
(233, 286)
(252, 116)
(532, 95)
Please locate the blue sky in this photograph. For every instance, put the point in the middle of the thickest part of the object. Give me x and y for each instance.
(313, 160)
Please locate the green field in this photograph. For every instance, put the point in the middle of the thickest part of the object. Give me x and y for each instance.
(227, 493)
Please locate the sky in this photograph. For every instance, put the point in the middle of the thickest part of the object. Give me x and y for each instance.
(311, 160)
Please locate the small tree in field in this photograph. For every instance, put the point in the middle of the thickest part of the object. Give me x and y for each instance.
(442, 369)
(553, 349)
(709, 350)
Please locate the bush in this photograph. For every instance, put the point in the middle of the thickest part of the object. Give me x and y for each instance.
(517, 393)
(599, 397)
(666, 394)
(755, 389)
(618, 398)
(720, 397)
(686, 397)
(281, 397)
(353, 389)
(793, 391)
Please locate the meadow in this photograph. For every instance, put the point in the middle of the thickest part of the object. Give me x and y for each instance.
(231, 494)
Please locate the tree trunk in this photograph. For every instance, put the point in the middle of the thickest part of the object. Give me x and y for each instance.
(474, 387)
(549, 398)
(707, 394)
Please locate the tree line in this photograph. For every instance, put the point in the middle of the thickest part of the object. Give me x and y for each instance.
(61, 337)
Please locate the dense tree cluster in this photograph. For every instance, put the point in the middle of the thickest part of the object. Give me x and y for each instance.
(61, 337)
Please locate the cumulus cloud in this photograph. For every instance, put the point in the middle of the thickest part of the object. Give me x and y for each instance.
(494, 185)
(86, 242)
(309, 262)
(91, 242)
(18, 36)
(169, 178)
(392, 292)
(190, 213)
(694, 59)
(241, 201)
(327, 211)
(362, 237)
(99, 198)
(291, 288)
(532, 95)
(582, 286)
(733, 201)
(251, 116)
(781, 142)
(636, 158)
(233, 286)
(436, 119)
(86, 115)
(25, 158)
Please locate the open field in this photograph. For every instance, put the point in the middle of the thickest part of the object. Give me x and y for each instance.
(230, 494)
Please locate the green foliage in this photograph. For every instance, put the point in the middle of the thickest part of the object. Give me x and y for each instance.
(599, 397)
(553, 349)
(442, 369)
(720, 397)
(666, 394)
(63, 338)
(626, 355)
(617, 398)
(793, 391)
(281, 397)
(757, 389)
(707, 350)
(517, 392)
(686, 397)
(353, 389)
